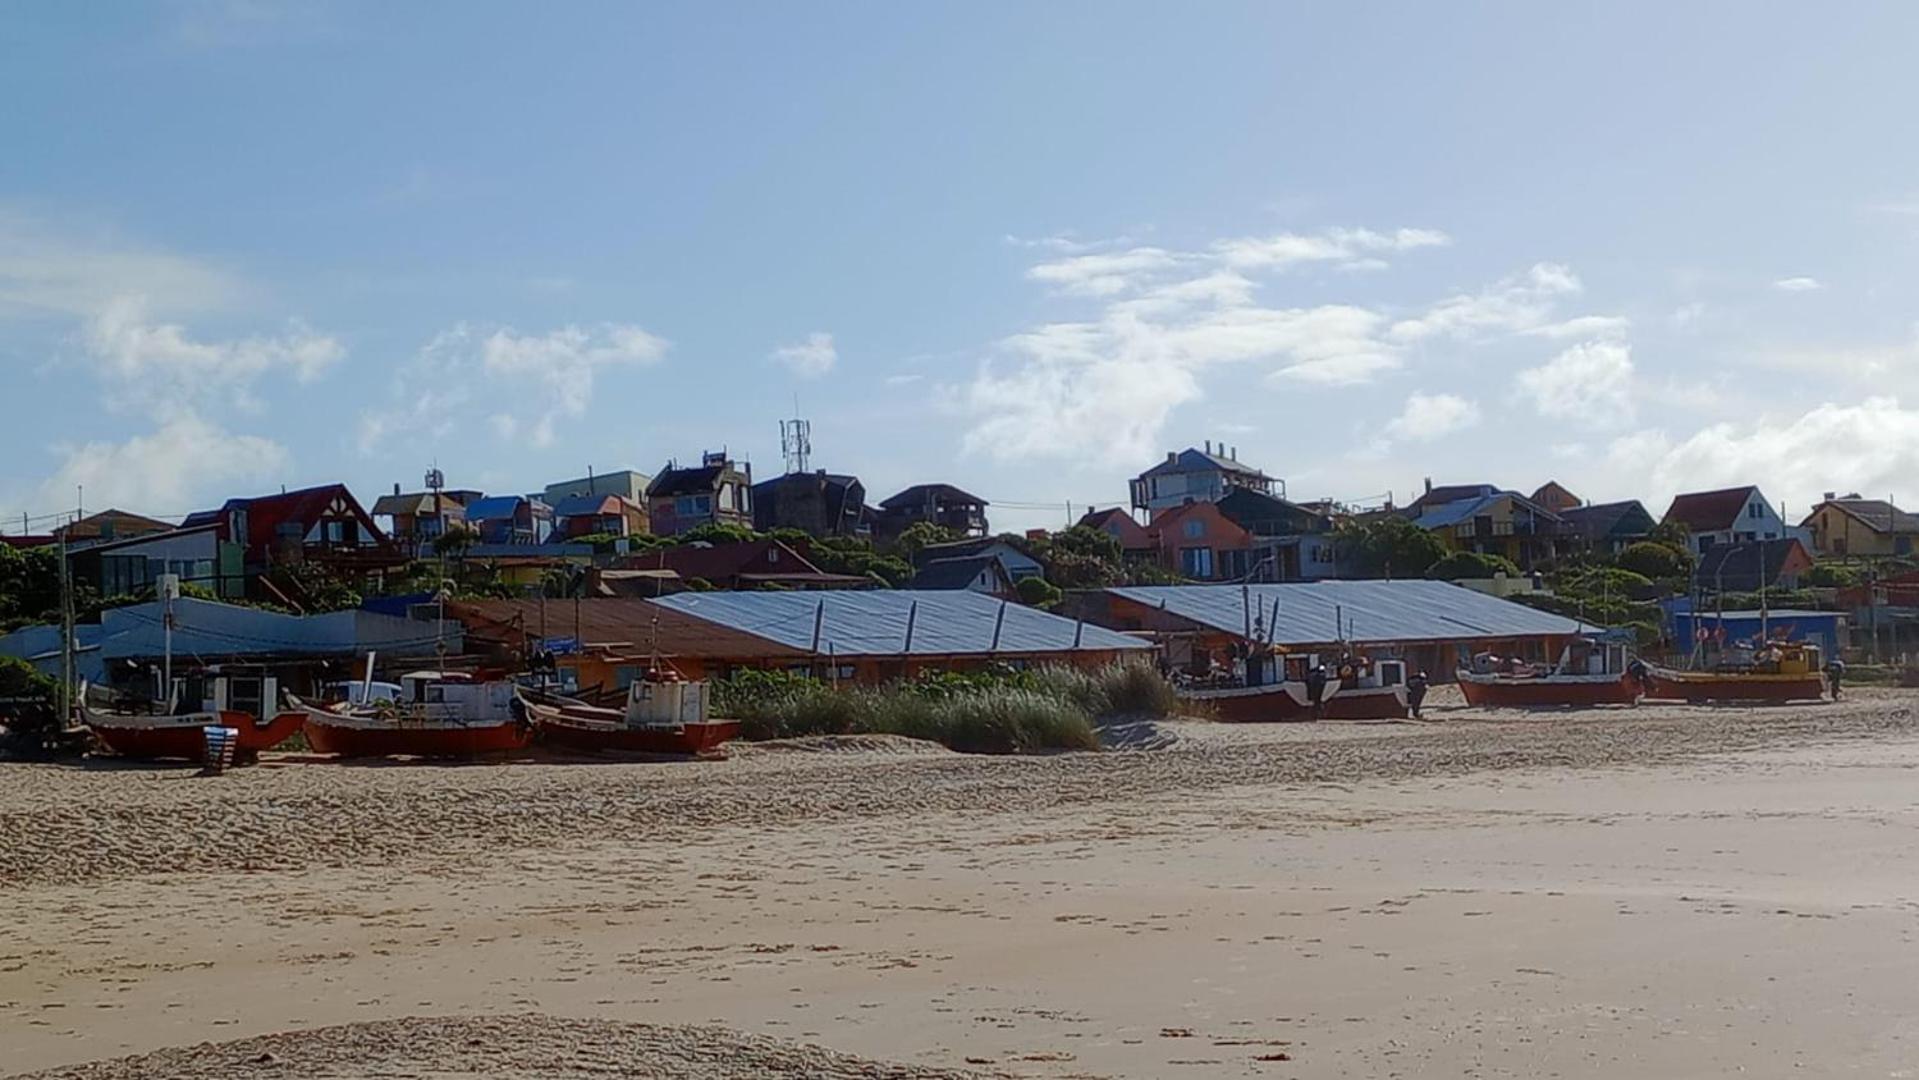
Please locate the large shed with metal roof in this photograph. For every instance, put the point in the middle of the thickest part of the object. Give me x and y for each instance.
(870, 636)
(1433, 624)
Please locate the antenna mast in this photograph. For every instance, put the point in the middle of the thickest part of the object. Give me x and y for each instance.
(796, 444)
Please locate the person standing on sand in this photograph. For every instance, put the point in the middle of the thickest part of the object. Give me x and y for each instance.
(1416, 693)
(1835, 671)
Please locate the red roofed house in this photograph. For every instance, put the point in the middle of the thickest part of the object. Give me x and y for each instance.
(1727, 516)
(321, 525)
(746, 564)
(1118, 524)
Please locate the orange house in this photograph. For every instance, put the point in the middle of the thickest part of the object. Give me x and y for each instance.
(1196, 541)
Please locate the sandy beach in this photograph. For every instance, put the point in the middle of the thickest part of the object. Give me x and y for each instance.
(1660, 892)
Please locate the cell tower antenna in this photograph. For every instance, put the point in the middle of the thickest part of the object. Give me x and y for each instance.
(796, 444)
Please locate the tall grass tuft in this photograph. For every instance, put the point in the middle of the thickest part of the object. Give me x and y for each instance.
(1003, 712)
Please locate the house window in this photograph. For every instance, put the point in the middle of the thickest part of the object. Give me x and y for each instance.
(1194, 529)
(773, 555)
(693, 505)
(336, 532)
(1196, 562)
(1755, 510)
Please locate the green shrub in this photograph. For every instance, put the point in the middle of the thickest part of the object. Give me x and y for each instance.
(1652, 559)
(1463, 565)
(1038, 592)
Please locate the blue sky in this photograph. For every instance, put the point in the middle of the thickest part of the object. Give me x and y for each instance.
(1022, 248)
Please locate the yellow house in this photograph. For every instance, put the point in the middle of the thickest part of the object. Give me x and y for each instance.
(1853, 526)
(1489, 521)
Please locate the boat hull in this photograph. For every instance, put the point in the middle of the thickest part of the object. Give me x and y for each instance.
(1699, 687)
(183, 738)
(1370, 703)
(602, 730)
(1546, 691)
(328, 735)
(1273, 703)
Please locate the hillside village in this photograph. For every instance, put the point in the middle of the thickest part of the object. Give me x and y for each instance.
(1843, 575)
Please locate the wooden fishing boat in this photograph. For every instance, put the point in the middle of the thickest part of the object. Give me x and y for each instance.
(1588, 672)
(141, 727)
(438, 714)
(664, 714)
(1771, 673)
(1299, 687)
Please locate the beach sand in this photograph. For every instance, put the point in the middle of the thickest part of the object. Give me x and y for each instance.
(1664, 891)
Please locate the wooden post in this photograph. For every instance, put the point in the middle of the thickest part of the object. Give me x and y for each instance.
(998, 622)
(912, 613)
(819, 620)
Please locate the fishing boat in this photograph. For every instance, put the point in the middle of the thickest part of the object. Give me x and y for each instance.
(664, 714)
(1589, 671)
(436, 714)
(1768, 671)
(173, 726)
(170, 722)
(1278, 687)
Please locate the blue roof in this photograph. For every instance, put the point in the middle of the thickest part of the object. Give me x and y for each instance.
(1374, 611)
(1452, 513)
(873, 623)
(494, 507)
(204, 628)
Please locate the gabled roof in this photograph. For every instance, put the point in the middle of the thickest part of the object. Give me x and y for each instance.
(698, 480)
(1449, 493)
(1710, 511)
(419, 504)
(1738, 567)
(1554, 495)
(919, 494)
(114, 524)
(960, 549)
(1443, 515)
(1192, 460)
(495, 507)
(1119, 524)
(826, 479)
(1604, 519)
(960, 573)
(724, 562)
(953, 622)
(265, 513)
(1377, 611)
(591, 505)
(1249, 508)
(1879, 515)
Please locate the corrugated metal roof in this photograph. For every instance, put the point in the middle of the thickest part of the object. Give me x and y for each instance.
(945, 623)
(1375, 611)
(206, 629)
(631, 623)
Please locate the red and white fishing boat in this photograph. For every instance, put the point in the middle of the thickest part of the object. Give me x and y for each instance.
(142, 726)
(1772, 672)
(664, 714)
(437, 714)
(1589, 671)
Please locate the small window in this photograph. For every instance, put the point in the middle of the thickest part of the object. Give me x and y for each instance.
(1194, 529)
(773, 555)
(1756, 510)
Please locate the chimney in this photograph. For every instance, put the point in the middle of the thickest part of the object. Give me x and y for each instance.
(1171, 457)
(1235, 454)
(1209, 446)
(1830, 495)
(1429, 485)
(396, 488)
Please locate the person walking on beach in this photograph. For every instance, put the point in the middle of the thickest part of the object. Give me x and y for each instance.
(1416, 692)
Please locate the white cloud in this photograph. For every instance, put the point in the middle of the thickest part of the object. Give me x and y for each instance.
(1348, 246)
(1104, 273)
(1798, 284)
(153, 365)
(540, 380)
(904, 379)
(45, 272)
(811, 358)
(181, 464)
(1687, 316)
(1870, 446)
(1432, 416)
(1589, 384)
(1102, 387)
(1510, 305)
(1583, 326)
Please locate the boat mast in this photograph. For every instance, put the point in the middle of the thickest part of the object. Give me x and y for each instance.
(66, 632)
(169, 588)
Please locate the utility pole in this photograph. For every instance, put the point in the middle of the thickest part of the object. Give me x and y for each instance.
(66, 634)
